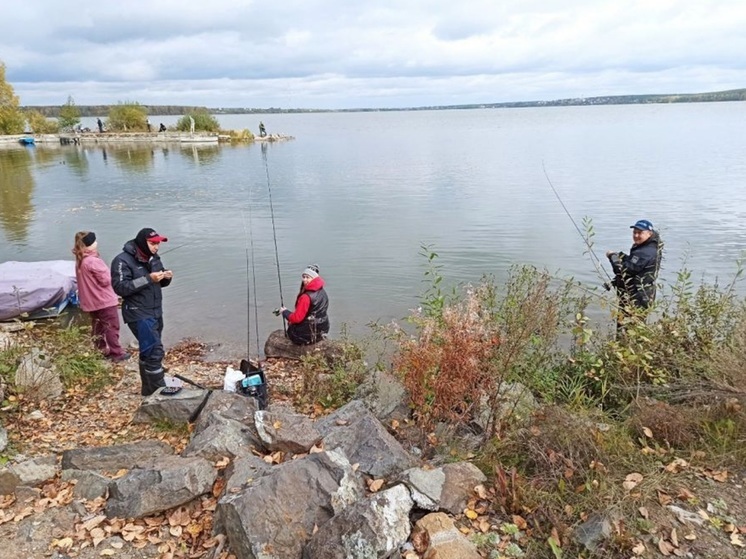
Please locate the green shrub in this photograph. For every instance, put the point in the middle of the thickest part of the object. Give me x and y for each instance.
(128, 116)
(203, 121)
(40, 124)
(69, 115)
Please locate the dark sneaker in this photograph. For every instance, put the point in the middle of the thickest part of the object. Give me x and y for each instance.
(124, 357)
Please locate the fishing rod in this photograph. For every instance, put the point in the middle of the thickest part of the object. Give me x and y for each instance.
(172, 249)
(596, 262)
(274, 232)
(250, 272)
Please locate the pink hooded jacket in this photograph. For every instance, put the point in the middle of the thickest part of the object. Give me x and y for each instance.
(94, 283)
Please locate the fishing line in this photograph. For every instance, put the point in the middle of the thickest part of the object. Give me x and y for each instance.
(250, 272)
(274, 230)
(596, 262)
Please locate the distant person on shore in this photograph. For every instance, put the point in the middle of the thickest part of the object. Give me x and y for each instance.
(100, 125)
(262, 130)
(191, 124)
(138, 276)
(97, 296)
(635, 273)
(309, 322)
(162, 128)
(147, 122)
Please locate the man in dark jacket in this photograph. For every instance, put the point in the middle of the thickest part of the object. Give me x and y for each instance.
(635, 273)
(308, 323)
(137, 275)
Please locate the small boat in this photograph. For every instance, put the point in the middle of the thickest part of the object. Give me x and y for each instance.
(27, 141)
(32, 290)
(199, 139)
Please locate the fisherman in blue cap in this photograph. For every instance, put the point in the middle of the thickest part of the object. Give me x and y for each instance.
(635, 273)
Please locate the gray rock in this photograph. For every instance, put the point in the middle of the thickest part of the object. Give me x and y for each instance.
(89, 486)
(28, 473)
(3, 438)
(515, 402)
(371, 528)
(446, 542)
(275, 515)
(384, 396)
(426, 486)
(287, 432)
(277, 345)
(686, 517)
(349, 413)
(365, 441)
(178, 408)
(38, 376)
(169, 482)
(228, 405)
(243, 470)
(114, 458)
(461, 479)
(593, 531)
(221, 436)
(37, 470)
(9, 481)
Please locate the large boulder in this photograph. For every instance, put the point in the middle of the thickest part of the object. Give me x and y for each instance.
(286, 431)
(278, 345)
(275, 515)
(368, 529)
(220, 436)
(114, 458)
(364, 440)
(229, 405)
(177, 408)
(168, 482)
(384, 396)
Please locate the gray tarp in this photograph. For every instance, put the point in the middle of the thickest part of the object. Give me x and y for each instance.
(26, 287)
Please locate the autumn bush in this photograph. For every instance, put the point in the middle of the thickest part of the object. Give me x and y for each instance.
(203, 121)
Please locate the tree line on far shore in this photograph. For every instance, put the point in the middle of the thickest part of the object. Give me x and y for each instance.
(128, 116)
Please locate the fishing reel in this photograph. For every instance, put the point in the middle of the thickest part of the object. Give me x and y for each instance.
(254, 383)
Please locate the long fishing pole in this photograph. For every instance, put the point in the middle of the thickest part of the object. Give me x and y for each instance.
(250, 273)
(274, 232)
(596, 262)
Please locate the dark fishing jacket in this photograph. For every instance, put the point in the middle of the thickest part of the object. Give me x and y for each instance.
(635, 273)
(130, 278)
(311, 307)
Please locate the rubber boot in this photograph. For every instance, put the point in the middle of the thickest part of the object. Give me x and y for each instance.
(151, 380)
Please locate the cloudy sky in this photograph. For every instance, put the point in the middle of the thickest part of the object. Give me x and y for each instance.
(376, 53)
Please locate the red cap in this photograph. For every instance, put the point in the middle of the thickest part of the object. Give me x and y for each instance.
(151, 236)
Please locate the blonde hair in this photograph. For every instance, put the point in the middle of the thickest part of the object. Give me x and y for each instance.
(79, 247)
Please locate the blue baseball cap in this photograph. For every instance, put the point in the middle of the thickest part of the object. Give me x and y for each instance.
(643, 225)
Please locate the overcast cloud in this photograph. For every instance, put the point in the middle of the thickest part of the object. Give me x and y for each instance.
(383, 53)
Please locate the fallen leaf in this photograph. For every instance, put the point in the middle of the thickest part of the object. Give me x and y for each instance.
(736, 540)
(107, 552)
(674, 538)
(664, 547)
(375, 485)
(648, 432)
(639, 548)
(632, 480)
(520, 522)
(277, 425)
(644, 512)
(676, 466)
(470, 514)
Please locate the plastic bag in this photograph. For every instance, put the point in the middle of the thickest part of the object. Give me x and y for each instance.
(232, 376)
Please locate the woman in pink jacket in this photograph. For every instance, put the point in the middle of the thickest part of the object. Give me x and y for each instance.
(97, 296)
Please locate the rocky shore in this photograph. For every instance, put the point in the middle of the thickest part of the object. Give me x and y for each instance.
(105, 138)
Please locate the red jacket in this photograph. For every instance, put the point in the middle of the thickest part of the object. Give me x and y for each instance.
(303, 302)
(94, 283)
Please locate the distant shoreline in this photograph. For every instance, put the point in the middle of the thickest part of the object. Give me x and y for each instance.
(711, 97)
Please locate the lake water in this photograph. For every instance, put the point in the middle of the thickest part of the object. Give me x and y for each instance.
(359, 193)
